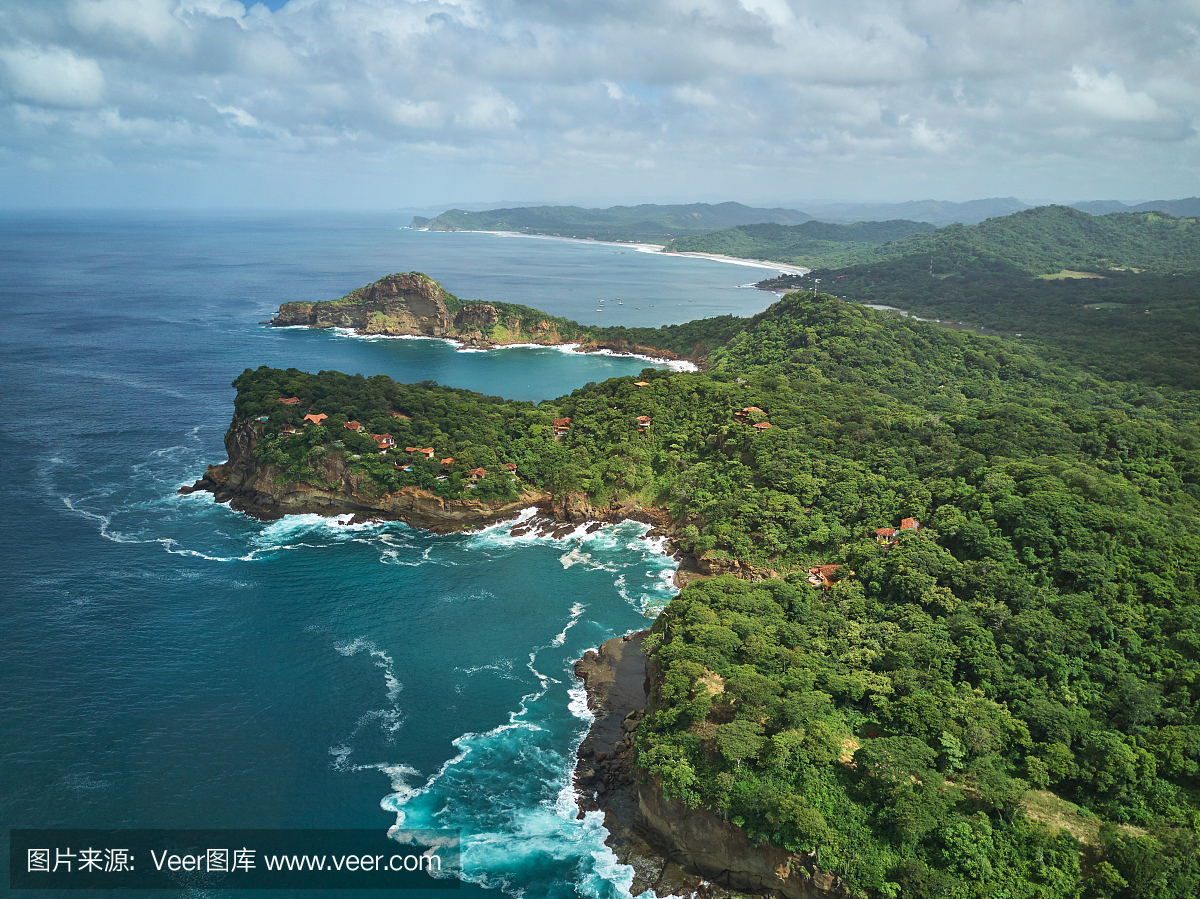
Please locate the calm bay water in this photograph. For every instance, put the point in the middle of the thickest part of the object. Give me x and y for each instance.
(170, 663)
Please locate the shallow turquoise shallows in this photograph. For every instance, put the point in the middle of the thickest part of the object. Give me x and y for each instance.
(170, 663)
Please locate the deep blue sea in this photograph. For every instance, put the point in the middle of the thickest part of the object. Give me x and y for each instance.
(167, 662)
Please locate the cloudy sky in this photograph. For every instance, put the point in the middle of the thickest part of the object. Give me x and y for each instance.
(405, 103)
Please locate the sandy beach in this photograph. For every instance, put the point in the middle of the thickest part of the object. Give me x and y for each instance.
(655, 248)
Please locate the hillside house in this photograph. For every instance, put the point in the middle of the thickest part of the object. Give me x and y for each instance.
(825, 576)
(511, 466)
(761, 426)
(290, 401)
(745, 414)
(643, 422)
(447, 462)
(561, 426)
(641, 383)
(885, 535)
(477, 473)
(385, 441)
(426, 451)
(910, 524)
(352, 426)
(315, 419)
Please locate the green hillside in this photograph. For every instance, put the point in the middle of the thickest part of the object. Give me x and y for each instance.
(649, 223)
(1004, 701)
(809, 244)
(1040, 241)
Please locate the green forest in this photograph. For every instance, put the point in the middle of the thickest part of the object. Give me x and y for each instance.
(809, 244)
(1117, 294)
(649, 223)
(1039, 241)
(1004, 701)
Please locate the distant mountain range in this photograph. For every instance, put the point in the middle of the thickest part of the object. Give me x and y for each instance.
(661, 224)
(1178, 208)
(647, 222)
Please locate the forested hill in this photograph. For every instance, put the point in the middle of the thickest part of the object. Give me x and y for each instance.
(1048, 239)
(648, 222)
(1039, 241)
(1118, 293)
(1001, 701)
(810, 244)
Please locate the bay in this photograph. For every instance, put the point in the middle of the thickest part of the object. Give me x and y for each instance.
(171, 663)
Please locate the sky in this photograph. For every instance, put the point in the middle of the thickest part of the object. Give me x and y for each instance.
(387, 104)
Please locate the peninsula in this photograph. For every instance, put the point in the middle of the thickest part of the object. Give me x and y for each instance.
(940, 630)
(413, 304)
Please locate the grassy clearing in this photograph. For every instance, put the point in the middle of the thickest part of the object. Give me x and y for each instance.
(1056, 812)
(1067, 273)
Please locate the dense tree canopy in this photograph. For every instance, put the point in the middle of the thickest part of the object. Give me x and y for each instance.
(1033, 646)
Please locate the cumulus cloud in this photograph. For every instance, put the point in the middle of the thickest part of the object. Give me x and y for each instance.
(539, 98)
(51, 76)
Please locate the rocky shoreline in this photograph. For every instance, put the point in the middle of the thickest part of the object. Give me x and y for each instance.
(414, 305)
(673, 850)
(615, 679)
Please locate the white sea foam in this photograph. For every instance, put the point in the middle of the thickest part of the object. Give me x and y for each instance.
(390, 718)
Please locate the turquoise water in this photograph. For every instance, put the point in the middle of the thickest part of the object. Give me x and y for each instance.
(170, 663)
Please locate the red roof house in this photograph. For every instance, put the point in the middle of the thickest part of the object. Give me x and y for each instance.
(290, 401)
(352, 426)
(824, 575)
(317, 418)
(762, 426)
(910, 524)
(385, 441)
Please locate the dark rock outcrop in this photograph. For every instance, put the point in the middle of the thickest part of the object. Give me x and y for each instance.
(400, 305)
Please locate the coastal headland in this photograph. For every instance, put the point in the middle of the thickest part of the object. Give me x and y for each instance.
(673, 849)
(412, 304)
(906, 511)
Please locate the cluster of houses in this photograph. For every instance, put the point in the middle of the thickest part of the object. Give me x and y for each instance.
(825, 576)
(888, 536)
(748, 413)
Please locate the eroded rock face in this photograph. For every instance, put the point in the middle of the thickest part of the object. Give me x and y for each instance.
(404, 304)
(477, 316)
(720, 852)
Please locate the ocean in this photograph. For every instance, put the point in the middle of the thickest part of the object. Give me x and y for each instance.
(170, 663)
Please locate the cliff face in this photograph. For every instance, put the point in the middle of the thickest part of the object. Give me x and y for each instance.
(720, 852)
(700, 842)
(255, 489)
(669, 845)
(404, 304)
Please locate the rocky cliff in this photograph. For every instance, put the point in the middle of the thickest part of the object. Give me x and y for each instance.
(259, 491)
(414, 305)
(405, 304)
(673, 849)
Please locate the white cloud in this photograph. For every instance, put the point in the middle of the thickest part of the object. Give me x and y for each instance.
(537, 93)
(1106, 96)
(51, 76)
